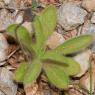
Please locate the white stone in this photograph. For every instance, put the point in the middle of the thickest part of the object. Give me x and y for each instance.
(93, 18)
(7, 85)
(83, 59)
(71, 15)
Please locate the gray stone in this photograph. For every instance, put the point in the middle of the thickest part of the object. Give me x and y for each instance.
(3, 47)
(7, 85)
(71, 15)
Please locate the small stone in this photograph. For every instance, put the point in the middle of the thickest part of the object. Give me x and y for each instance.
(1, 93)
(7, 85)
(3, 48)
(28, 26)
(7, 1)
(83, 59)
(93, 18)
(7, 18)
(71, 15)
(89, 5)
(55, 40)
(88, 28)
(31, 89)
(19, 17)
(85, 80)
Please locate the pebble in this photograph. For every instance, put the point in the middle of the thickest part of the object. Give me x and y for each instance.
(55, 40)
(71, 15)
(7, 1)
(7, 18)
(31, 89)
(1, 93)
(7, 85)
(3, 48)
(89, 5)
(83, 59)
(93, 18)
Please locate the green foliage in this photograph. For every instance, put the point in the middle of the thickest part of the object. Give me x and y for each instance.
(56, 65)
(22, 69)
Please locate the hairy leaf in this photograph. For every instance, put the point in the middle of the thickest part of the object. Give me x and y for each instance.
(56, 75)
(22, 34)
(48, 19)
(44, 25)
(56, 57)
(33, 71)
(74, 45)
(70, 65)
(39, 33)
(73, 67)
(20, 72)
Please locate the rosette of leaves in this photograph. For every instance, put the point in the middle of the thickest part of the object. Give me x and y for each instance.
(54, 63)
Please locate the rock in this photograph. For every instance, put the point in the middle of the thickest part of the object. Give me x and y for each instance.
(22, 4)
(1, 93)
(55, 40)
(83, 59)
(1, 3)
(85, 80)
(71, 15)
(7, 18)
(31, 89)
(7, 85)
(7, 1)
(93, 18)
(88, 28)
(19, 17)
(89, 5)
(3, 47)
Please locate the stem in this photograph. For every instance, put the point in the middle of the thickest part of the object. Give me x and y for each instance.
(90, 71)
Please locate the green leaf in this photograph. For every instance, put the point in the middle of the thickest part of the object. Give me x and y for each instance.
(73, 67)
(33, 71)
(70, 65)
(39, 33)
(20, 72)
(48, 19)
(23, 35)
(56, 75)
(74, 45)
(44, 25)
(56, 57)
